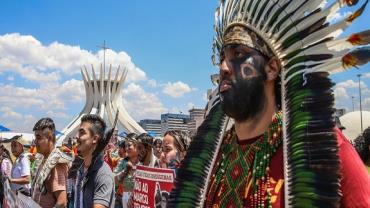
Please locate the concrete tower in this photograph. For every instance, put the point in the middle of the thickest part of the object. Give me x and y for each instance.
(104, 98)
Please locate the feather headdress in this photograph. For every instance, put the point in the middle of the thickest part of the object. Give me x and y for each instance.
(303, 35)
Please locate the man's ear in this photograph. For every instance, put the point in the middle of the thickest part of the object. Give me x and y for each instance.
(95, 139)
(49, 135)
(272, 69)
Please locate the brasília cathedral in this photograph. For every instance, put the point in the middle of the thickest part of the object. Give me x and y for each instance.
(103, 97)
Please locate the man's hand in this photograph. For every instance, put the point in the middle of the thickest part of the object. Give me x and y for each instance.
(61, 199)
(20, 181)
(32, 157)
(99, 206)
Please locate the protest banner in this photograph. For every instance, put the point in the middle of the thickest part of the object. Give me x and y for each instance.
(152, 187)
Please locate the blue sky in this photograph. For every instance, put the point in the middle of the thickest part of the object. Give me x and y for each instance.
(166, 44)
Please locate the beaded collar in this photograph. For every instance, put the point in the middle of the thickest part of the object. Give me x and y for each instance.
(257, 154)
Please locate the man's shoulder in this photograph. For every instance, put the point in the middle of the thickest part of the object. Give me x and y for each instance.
(104, 170)
(22, 160)
(61, 168)
(24, 156)
(104, 175)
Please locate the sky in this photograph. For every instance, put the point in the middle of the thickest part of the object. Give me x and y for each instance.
(165, 45)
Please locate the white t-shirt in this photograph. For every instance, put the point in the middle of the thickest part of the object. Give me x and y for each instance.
(20, 169)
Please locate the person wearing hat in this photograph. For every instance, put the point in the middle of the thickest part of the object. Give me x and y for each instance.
(175, 144)
(283, 150)
(145, 151)
(21, 174)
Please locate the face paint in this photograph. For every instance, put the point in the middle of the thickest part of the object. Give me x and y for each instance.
(250, 61)
(245, 98)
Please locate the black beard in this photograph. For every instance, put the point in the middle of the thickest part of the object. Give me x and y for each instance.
(245, 99)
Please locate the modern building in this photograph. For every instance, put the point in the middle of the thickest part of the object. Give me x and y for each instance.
(171, 121)
(104, 98)
(196, 119)
(152, 126)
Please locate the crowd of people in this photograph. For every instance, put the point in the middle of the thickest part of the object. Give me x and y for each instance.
(268, 140)
(76, 175)
(83, 173)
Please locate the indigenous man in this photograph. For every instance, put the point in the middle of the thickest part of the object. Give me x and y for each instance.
(49, 188)
(283, 149)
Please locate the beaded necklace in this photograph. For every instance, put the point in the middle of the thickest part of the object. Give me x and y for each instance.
(257, 157)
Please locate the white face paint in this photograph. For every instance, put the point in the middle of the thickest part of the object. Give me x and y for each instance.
(250, 60)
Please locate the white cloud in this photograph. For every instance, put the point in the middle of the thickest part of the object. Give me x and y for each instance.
(190, 106)
(175, 110)
(47, 97)
(344, 91)
(53, 114)
(349, 84)
(340, 93)
(141, 104)
(338, 16)
(177, 89)
(366, 104)
(73, 90)
(341, 89)
(55, 92)
(8, 113)
(11, 95)
(16, 121)
(367, 75)
(10, 78)
(365, 91)
(152, 83)
(28, 57)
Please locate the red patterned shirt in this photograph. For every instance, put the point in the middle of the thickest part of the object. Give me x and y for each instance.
(235, 188)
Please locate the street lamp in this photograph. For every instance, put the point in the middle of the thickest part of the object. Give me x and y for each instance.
(359, 90)
(353, 103)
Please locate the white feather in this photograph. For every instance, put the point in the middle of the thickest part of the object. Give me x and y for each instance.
(268, 6)
(259, 7)
(331, 31)
(330, 47)
(254, 4)
(308, 22)
(290, 8)
(309, 7)
(276, 6)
